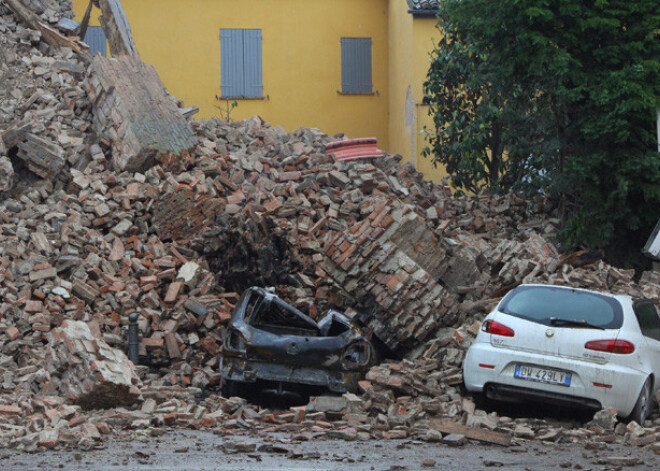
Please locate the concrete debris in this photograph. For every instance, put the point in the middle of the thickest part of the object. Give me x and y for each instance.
(454, 439)
(41, 157)
(117, 29)
(44, 110)
(96, 228)
(22, 9)
(6, 174)
(605, 419)
(91, 373)
(136, 116)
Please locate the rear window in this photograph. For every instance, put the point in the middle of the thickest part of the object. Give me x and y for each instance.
(542, 303)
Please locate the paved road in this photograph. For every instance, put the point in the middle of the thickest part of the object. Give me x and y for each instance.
(191, 451)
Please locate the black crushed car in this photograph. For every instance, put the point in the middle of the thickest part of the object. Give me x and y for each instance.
(270, 341)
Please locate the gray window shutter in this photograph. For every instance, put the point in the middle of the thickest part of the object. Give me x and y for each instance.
(356, 65)
(253, 72)
(231, 63)
(364, 69)
(348, 84)
(95, 38)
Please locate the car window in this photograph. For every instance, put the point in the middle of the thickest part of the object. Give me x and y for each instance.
(542, 304)
(253, 301)
(648, 319)
(278, 317)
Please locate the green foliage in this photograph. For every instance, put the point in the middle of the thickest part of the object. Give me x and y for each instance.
(558, 96)
(225, 108)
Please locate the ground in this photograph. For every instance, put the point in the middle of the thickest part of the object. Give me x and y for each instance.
(193, 450)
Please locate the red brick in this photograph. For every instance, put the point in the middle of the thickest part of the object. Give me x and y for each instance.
(173, 291)
(10, 410)
(394, 284)
(365, 385)
(154, 342)
(387, 222)
(13, 333)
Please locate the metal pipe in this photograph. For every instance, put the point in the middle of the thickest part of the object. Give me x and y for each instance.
(133, 338)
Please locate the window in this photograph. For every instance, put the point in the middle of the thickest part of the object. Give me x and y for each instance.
(648, 319)
(240, 63)
(95, 38)
(552, 305)
(356, 66)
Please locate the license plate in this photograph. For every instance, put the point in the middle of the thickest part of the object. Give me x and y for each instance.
(542, 375)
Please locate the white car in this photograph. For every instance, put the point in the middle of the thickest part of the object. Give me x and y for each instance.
(569, 347)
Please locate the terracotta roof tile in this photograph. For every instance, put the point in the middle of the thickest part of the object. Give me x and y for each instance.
(423, 4)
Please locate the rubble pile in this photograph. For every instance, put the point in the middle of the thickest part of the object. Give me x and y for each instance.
(91, 233)
(369, 235)
(43, 88)
(93, 375)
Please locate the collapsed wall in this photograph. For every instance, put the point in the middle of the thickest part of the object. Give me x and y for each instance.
(133, 112)
(369, 236)
(252, 204)
(175, 240)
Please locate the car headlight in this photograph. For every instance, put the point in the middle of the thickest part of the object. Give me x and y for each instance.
(357, 354)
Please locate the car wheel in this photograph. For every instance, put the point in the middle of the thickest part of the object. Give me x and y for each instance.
(644, 403)
(480, 400)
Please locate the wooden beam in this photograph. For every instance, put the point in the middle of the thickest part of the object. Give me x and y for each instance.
(53, 36)
(85, 22)
(189, 111)
(117, 29)
(482, 435)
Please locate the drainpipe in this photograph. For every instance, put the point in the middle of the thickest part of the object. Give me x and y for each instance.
(658, 130)
(133, 338)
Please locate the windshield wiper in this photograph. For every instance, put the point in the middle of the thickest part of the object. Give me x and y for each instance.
(573, 323)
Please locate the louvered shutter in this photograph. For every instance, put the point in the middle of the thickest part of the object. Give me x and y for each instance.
(231, 63)
(348, 83)
(356, 65)
(253, 72)
(95, 38)
(364, 65)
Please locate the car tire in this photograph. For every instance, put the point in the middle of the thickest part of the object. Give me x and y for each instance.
(480, 400)
(644, 404)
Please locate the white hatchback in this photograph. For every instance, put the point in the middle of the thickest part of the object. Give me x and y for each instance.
(568, 346)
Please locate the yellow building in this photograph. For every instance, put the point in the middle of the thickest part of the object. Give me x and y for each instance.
(344, 66)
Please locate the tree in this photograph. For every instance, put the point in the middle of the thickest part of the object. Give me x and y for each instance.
(555, 96)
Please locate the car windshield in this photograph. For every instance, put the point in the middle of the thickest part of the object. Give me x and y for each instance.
(563, 307)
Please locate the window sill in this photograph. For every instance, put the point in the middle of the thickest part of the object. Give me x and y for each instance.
(242, 97)
(358, 93)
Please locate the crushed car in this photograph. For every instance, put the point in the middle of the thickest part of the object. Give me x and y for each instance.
(268, 340)
(568, 346)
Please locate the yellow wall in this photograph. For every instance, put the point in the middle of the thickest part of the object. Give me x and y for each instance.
(301, 58)
(426, 36)
(401, 75)
(411, 42)
(301, 54)
(80, 7)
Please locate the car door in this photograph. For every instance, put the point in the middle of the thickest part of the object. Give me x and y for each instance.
(649, 324)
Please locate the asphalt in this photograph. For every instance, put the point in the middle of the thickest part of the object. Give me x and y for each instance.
(193, 450)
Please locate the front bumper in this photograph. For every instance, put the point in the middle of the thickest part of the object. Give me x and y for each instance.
(625, 382)
(249, 371)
